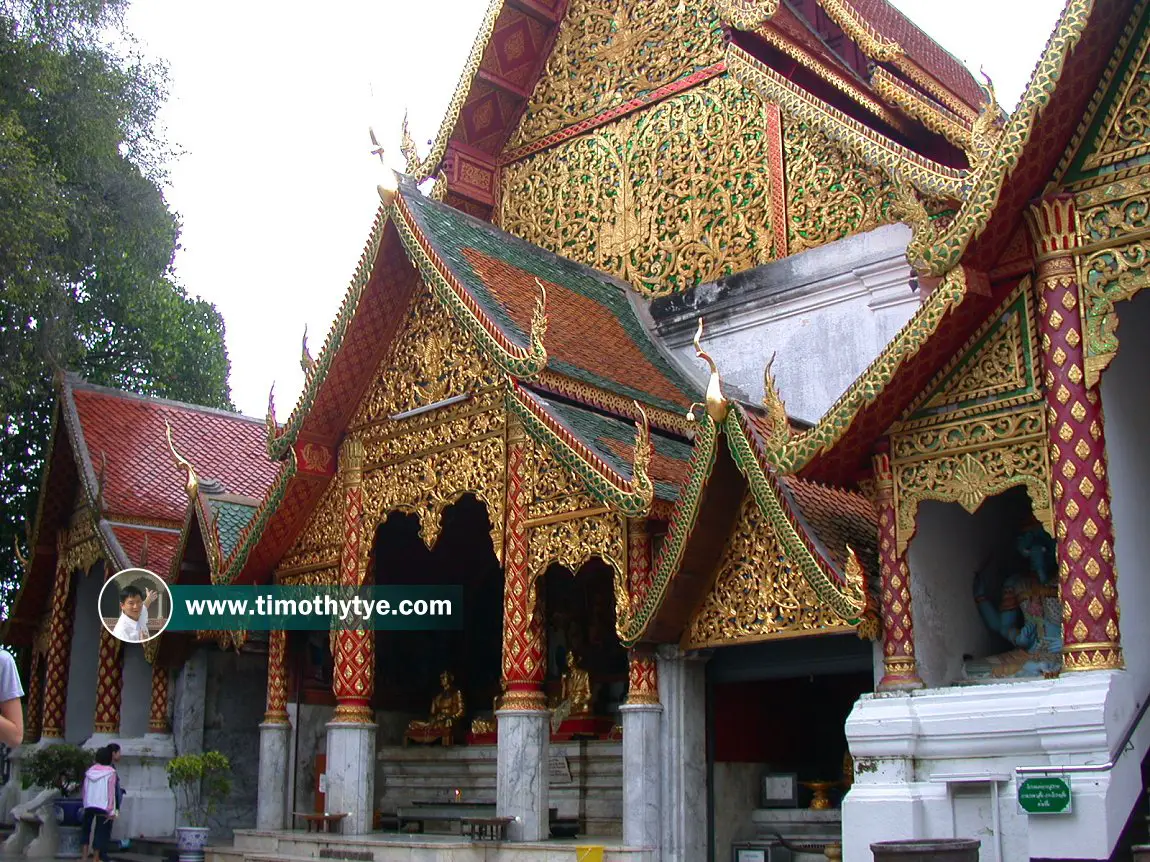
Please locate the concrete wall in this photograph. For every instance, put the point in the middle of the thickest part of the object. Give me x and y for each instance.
(826, 313)
(736, 789)
(84, 663)
(136, 701)
(948, 548)
(235, 700)
(1124, 398)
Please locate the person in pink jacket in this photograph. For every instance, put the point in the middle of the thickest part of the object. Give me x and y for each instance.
(100, 805)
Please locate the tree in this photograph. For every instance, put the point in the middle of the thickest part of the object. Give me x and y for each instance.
(86, 238)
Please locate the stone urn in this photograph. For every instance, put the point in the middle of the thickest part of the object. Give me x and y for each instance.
(191, 841)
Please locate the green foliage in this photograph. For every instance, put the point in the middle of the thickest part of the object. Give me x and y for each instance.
(61, 766)
(201, 782)
(86, 238)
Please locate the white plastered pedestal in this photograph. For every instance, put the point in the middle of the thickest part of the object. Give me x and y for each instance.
(271, 806)
(925, 760)
(642, 775)
(522, 775)
(351, 774)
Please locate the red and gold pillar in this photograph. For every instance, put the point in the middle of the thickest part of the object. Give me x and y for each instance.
(1081, 488)
(900, 669)
(35, 696)
(158, 712)
(643, 677)
(277, 678)
(59, 651)
(109, 684)
(354, 674)
(524, 666)
(639, 564)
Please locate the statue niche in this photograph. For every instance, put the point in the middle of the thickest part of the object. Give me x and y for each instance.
(1028, 613)
(571, 715)
(447, 709)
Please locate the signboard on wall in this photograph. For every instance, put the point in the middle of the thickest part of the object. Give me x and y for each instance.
(1047, 795)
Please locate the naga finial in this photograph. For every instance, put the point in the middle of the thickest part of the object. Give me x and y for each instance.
(987, 127)
(408, 149)
(193, 483)
(539, 326)
(640, 476)
(305, 360)
(855, 577)
(717, 405)
(776, 409)
(270, 424)
(389, 188)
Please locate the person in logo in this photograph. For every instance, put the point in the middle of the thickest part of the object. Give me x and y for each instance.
(132, 625)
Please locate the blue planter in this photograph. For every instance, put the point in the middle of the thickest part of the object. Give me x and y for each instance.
(69, 812)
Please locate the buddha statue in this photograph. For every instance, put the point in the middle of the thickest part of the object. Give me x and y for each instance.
(576, 687)
(446, 709)
(1028, 614)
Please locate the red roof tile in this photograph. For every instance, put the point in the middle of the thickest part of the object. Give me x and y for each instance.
(162, 547)
(141, 478)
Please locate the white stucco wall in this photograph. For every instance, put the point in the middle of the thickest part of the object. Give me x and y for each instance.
(136, 701)
(84, 663)
(825, 313)
(1127, 411)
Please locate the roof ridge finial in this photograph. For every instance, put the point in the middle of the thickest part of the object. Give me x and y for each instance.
(270, 424)
(389, 188)
(193, 483)
(305, 360)
(640, 466)
(539, 326)
(717, 405)
(987, 127)
(144, 553)
(20, 558)
(408, 148)
(775, 407)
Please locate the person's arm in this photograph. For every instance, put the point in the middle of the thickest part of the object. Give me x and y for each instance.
(11, 722)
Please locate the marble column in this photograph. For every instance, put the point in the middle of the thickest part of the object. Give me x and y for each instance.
(351, 732)
(1076, 428)
(522, 774)
(59, 652)
(642, 766)
(275, 733)
(900, 668)
(683, 740)
(35, 700)
(109, 685)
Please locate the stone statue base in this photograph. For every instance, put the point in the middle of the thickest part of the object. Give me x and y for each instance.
(583, 727)
(491, 738)
(430, 735)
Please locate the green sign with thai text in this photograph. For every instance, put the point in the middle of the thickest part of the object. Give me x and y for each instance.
(1050, 795)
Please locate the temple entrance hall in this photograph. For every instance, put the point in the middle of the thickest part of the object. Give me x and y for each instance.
(776, 744)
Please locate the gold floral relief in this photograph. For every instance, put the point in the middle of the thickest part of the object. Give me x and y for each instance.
(758, 595)
(431, 360)
(572, 543)
(322, 539)
(829, 194)
(427, 484)
(967, 462)
(665, 198)
(1127, 123)
(611, 51)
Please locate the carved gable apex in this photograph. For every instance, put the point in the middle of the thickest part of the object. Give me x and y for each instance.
(997, 368)
(609, 52)
(1121, 134)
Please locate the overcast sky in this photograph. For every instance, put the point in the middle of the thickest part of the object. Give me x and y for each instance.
(275, 185)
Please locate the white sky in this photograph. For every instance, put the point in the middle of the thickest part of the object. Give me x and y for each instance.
(270, 104)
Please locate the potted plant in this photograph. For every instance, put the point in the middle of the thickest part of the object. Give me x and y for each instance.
(61, 766)
(200, 782)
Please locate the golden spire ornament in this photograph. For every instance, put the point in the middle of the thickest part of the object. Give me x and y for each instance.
(193, 483)
(389, 188)
(717, 405)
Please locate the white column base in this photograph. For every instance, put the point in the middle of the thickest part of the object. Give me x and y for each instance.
(682, 736)
(271, 803)
(522, 773)
(351, 774)
(927, 762)
(149, 806)
(642, 775)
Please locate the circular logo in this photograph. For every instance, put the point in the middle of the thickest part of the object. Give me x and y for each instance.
(135, 605)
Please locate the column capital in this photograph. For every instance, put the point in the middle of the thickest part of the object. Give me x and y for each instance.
(351, 460)
(1053, 227)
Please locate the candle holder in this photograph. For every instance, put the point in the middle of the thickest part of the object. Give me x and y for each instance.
(820, 789)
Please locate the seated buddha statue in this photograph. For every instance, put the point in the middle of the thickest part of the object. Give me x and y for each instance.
(576, 687)
(446, 709)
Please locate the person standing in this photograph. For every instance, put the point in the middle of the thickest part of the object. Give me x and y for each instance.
(100, 805)
(11, 709)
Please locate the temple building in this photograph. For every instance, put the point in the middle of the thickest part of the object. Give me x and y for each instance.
(760, 384)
